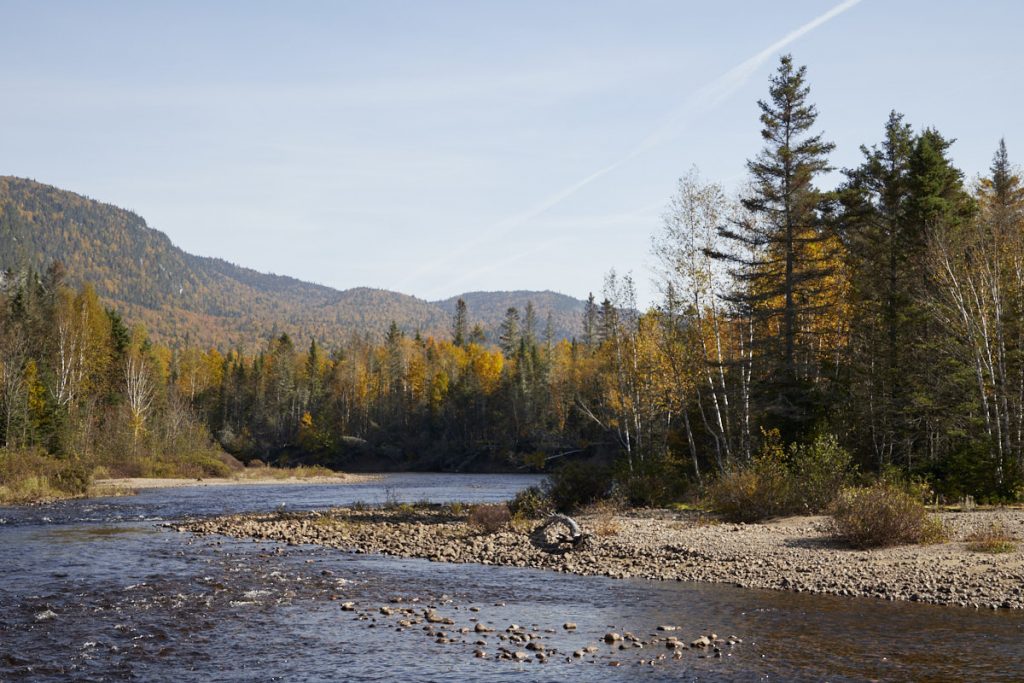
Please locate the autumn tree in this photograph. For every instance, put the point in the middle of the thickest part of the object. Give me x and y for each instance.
(978, 295)
(695, 284)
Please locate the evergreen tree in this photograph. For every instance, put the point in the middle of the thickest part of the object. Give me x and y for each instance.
(477, 335)
(883, 251)
(590, 321)
(786, 246)
(936, 382)
(460, 324)
(508, 334)
(530, 325)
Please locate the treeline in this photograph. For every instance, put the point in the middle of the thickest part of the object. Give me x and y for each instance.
(888, 312)
(404, 402)
(77, 384)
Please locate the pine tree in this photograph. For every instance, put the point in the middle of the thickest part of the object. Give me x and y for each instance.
(789, 250)
(477, 335)
(935, 380)
(508, 333)
(530, 325)
(882, 252)
(460, 323)
(590, 321)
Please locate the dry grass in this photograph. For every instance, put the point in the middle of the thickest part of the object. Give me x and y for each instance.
(522, 525)
(994, 539)
(109, 491)
(695, 521)
(489, 519)
(603, 516)
(300, 472)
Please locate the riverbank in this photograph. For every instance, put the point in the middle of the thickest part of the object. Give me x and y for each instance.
(795, 554)
(249, 477)
(43, 493)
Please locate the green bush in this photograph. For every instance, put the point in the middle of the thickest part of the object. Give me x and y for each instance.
(576, 484)
(73, 478)
(652, 482)
(818, 471)
(881, 515)
(757, 491)
(530, 503)
(801, 480)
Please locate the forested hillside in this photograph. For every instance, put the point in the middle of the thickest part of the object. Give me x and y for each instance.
(179, 296)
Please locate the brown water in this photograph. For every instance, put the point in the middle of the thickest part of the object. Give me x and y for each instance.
(99, 590)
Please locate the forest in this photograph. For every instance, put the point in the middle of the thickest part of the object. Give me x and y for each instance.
(883, 316)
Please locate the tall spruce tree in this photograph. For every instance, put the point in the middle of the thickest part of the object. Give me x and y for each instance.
(460, 323)
(590, 321)
(937, 383)
(882, 252)
(508, 333)
(785, 252)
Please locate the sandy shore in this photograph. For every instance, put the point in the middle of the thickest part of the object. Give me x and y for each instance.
(788, 554)
(139, 483)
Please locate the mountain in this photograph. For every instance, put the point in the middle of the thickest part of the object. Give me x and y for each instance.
(209, 301)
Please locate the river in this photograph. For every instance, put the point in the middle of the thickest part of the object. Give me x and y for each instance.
(101, 590)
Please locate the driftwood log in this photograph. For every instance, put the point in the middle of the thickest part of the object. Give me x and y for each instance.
(573, 535)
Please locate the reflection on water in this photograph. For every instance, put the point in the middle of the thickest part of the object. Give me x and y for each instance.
(98, 590)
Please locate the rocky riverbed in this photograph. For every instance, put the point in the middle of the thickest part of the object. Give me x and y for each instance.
(795, 554)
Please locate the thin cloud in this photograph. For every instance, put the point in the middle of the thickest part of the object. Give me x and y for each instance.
(702, 100)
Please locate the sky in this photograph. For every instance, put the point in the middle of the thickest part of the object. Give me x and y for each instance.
(440, 147)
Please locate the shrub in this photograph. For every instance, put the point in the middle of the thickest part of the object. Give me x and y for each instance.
(73, 478)
(994, 539)
(490, 518)
(652, 482)
(530, 503)
(29, 475)
(755, 492)
(818, 470)
(576, 484)
(882, 515)
(805, 479)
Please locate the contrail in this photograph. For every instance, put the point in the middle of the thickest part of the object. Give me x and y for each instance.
(712, 94)
(706, 97)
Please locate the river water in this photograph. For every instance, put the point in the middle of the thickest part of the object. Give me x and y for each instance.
(100, 590)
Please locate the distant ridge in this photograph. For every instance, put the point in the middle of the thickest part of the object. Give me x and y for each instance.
(206, 301)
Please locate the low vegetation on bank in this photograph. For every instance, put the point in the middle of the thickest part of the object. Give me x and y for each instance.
(882, 514)
(32, 476)
(817, 478)
(995, 538)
